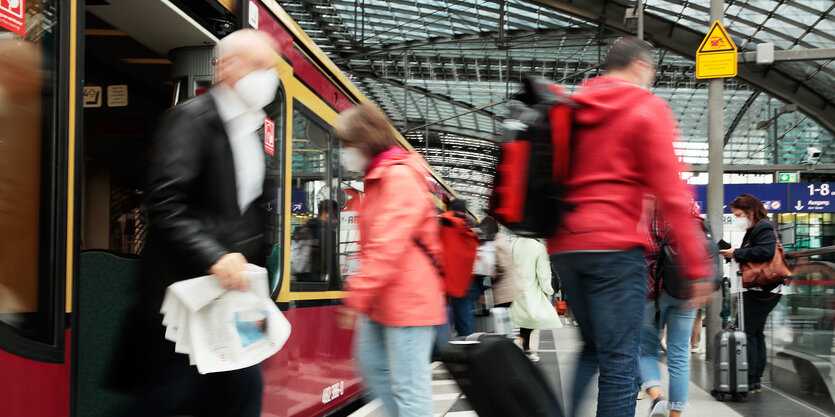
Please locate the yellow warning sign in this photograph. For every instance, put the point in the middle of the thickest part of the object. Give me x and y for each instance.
(717, 40)
(716, 57)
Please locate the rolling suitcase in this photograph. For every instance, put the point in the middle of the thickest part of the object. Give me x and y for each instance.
(498, 379)
(493, 319)
(730, 365)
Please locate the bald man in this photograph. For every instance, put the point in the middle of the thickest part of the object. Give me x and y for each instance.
(206, 178)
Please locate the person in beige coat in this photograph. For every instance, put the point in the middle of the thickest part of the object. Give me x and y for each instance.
(505, 280)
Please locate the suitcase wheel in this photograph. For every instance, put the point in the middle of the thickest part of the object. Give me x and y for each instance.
(718, 395)
(739, 398)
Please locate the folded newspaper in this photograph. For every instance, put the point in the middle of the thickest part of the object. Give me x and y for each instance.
(224, 330)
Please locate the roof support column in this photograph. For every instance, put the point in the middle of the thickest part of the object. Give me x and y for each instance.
(715, 185)
(639, 9)
(405, 93)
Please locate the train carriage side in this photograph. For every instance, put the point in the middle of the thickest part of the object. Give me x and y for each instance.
(314, 372)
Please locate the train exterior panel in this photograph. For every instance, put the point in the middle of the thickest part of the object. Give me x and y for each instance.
(30, 388)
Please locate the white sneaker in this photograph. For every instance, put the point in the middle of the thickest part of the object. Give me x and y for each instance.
(697, 350)
(533, 357)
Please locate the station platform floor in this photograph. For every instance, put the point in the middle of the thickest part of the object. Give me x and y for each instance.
(557, 361)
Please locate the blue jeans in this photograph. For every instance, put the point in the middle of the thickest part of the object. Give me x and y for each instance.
(679, 322)
(462, 308)
(395, 364)
(443, 334)
(606, 292)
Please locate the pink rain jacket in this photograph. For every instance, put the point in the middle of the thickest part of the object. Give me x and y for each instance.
(397, 284)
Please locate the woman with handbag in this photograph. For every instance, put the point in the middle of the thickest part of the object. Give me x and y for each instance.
(763, 265)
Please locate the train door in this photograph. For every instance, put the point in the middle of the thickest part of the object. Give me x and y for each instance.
(38, 53)
(135, 59)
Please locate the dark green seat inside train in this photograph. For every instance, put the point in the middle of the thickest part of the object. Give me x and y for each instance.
(105, 286)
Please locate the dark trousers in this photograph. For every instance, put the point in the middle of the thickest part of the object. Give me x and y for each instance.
(757, 306)
(525, 334)
(606, 292)
(185, 392)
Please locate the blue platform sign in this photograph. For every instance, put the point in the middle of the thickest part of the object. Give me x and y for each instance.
(814, 197)
(272, 199)
(298, 201)
(779, 198)
(775, 197)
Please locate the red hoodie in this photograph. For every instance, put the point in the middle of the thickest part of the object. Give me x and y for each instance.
(622, 149)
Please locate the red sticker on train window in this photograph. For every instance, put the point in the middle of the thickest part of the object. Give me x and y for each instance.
(269, 136)
(13, 16)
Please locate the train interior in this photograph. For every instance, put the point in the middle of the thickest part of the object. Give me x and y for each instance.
(133, 72)
(128, 83)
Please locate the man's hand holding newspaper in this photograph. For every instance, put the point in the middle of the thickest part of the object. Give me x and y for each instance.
(224, 330)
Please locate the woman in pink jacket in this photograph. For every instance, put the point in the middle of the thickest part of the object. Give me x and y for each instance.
(397, 292)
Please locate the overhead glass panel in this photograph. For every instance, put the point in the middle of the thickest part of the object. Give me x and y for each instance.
(461, 57)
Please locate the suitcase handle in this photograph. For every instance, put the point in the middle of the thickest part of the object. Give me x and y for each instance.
(725, 314)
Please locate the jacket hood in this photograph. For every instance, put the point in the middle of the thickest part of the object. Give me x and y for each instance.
(411, 159)
(601, 97)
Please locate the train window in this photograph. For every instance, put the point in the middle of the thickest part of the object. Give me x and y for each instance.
(29, 294)
(315, 211)
(274, 125)
(349, 233)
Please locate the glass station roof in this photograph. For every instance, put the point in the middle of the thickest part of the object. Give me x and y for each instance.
(443, 69)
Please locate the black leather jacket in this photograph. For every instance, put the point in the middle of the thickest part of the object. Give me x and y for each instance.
(194, 219)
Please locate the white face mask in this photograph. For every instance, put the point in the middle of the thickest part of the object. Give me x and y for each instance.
(258, 88)
(353, 160)
(741, 223)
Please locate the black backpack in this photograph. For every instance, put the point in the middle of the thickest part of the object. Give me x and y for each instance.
(669, 274)
(528, 190)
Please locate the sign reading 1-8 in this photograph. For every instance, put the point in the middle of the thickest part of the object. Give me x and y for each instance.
(812, 197)
(822, 190)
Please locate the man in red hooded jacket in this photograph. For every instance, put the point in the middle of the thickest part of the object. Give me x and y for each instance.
(622, 149)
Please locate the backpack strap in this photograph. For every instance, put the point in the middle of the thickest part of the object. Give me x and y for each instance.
(658, 267)
(432, 257)
(657, 281)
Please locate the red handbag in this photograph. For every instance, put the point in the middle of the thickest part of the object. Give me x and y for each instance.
(773, 271)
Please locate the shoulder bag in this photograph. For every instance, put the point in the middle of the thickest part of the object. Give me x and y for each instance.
(773, 271)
